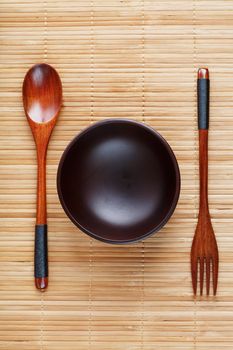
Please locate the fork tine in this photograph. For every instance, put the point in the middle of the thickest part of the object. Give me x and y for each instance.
(194, 268)
(215, 275)
(207, 276)
(202, 263)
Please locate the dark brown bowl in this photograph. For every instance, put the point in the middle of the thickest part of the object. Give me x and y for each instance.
(118, 181)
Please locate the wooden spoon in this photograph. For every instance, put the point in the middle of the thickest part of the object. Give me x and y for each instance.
(42, 99)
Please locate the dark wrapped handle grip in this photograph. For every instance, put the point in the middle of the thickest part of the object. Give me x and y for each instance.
(203, 87)
(41, 257)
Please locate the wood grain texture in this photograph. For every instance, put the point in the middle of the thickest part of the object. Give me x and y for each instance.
(134, 59)
(204, 251)
(42, 100)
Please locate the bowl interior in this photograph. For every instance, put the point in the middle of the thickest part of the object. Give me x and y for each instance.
(118, 181)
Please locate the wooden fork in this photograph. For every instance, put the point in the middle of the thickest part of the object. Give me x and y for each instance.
(204, 252)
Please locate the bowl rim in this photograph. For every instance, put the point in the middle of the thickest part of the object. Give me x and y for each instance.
(174, 162)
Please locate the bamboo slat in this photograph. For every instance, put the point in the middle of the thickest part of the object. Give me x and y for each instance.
(117, 58)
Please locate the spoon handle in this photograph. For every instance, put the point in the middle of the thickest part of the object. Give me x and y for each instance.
(41, 257)
(41, 245)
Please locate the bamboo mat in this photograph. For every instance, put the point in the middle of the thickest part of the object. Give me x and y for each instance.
(117, 58)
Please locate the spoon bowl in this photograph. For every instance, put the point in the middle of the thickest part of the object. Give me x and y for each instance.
(42, 93)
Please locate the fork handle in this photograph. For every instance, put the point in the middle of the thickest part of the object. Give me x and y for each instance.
(203, 87)
(203, 125)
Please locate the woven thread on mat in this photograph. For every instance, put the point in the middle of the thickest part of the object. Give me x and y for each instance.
(143, 120)
(42, 313)
(195, 150)
(45, 30)
(45, 54)
(91, 240)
